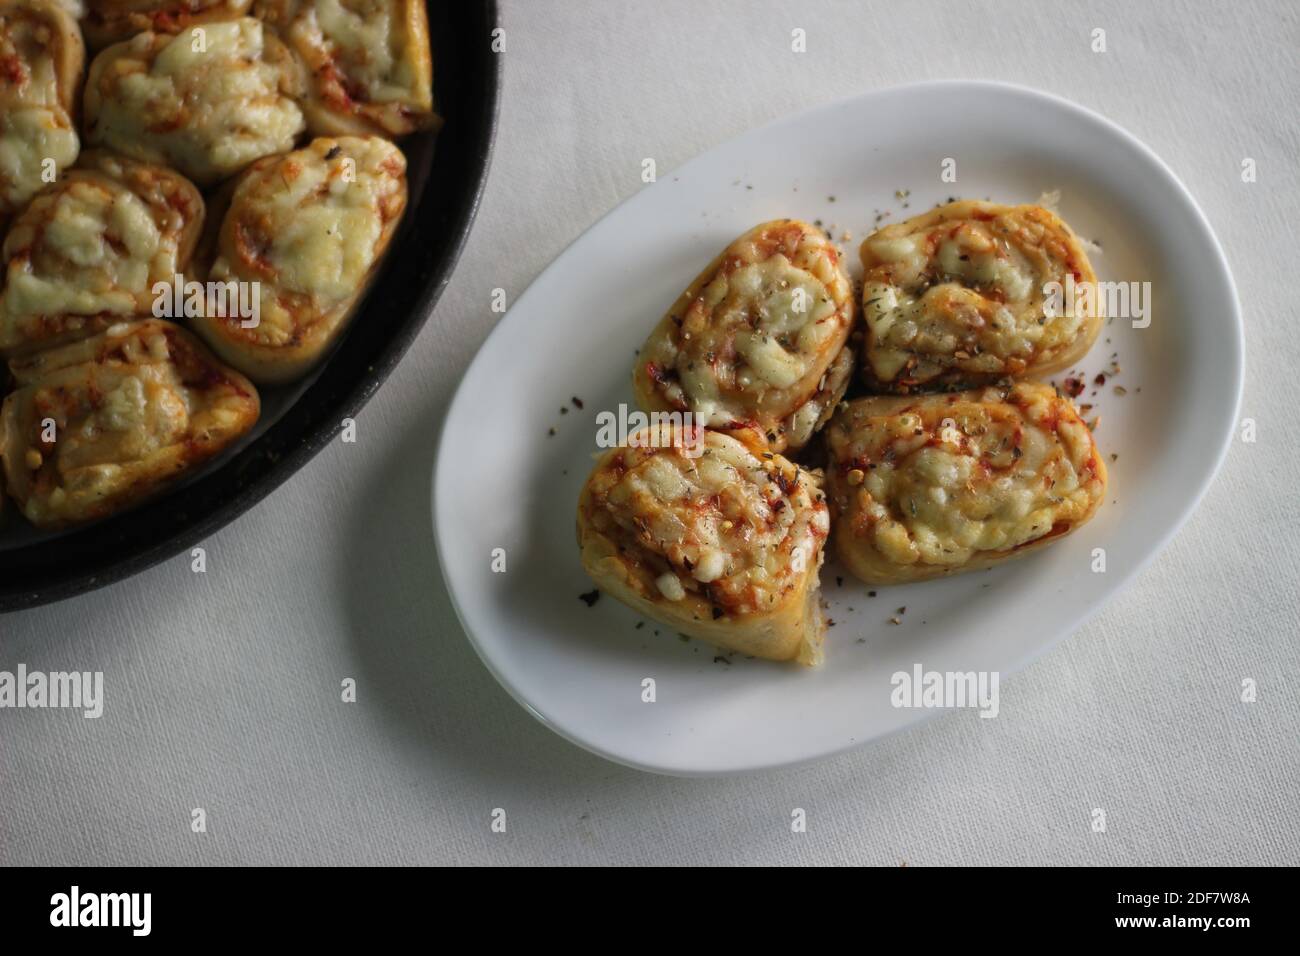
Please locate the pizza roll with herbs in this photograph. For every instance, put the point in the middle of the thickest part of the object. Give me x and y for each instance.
(963, 295)
(208, 101)
(930, 485)
(108, 21)
(712, 536)
(41, 59)
(368, 63)
(309, 228)
(102, 424)
(758, 340)
(89, 250)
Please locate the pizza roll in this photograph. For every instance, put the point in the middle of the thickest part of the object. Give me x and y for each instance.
(758, 340)
(208, 101)
(41, 59)
(368, 63)
(716, 538)
(931, 485)
(108, 21)
(309, 228)
(89, 250)
(101, 424)
(961, 296)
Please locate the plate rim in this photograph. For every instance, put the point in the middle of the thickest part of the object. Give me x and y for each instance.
(1062, 632)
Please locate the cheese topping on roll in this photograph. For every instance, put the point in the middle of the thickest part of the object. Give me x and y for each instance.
(310, 227)
(368, 63)
(41, 58)
(91, 248)
(957, 296)
(133, 409)
(758, 339)
(208, 101)
(722, 543)
(930, 485)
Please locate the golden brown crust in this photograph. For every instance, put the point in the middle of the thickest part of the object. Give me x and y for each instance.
(88, 250)
(368, 63)
(955, 298)
(311, 228)
(715, 538)
(100, 425)
(110, 21)
(759, 340)
(41, 62)
(926, 486)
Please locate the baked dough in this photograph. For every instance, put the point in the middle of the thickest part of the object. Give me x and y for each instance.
(134, 409)
(41, 59)
(108, 21)
(931, 485)
(311, 228)
(208, 101)
(714, 537)
(955, 298)
(368, 63)
(758, 340)
(89, 249)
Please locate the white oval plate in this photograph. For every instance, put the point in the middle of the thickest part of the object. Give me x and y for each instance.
(502, 480)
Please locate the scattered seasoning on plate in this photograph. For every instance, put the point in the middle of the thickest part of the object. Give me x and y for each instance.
(871, 594)
(894, 620)
(1121, 391)
(550, 431)
(721, 660)
(590, 598)
(902, 610)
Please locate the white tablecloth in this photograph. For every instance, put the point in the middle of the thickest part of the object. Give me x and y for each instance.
(223, 689)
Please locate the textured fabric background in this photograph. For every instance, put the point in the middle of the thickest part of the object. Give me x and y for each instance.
(223, 689)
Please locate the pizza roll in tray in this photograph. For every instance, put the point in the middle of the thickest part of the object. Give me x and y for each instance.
(207, 102)
(87, 251)
(41, 61)
(309, 228)
(367, 63)
(108, 421)
(712, 535)
(754, 361)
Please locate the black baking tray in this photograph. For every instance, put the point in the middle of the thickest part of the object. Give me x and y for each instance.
(446, 174)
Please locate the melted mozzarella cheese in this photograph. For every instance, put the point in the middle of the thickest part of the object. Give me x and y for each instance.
(754, 339)
(209, 101)
(40, 62)
(740, 529)
(318, 219)
(944, 479)
(133, 409)
(368, 62)
(959, 294)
